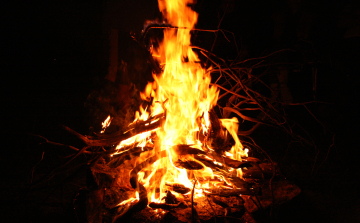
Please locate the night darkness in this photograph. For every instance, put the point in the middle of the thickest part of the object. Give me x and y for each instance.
(55, 54)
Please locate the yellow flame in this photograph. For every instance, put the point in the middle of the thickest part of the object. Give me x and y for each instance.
(130, 200)
(237, 151)
(182, 92)
(105, 124)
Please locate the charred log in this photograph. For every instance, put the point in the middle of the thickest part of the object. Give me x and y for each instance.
(186, 150)
(179, 188)
(170, 198)
(164, 205)
(188, 164)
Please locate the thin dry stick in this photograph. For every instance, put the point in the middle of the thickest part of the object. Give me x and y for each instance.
(235, 78)
(259, 80)
(258, 58)
(216, 34)
(201, 30)
(244, 87)
(245, 117)
(317, 119)
(243, 102)
(51, 174)
(327, 155)
(33, 169)
(229, 91)
(58, 144)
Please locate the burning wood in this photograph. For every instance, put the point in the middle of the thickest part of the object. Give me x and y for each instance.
(177, 155)
(174, 150)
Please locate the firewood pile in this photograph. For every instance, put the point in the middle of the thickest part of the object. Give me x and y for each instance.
(117, 195)
(225, 179)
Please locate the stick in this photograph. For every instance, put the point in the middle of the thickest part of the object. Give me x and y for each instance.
(58, 144)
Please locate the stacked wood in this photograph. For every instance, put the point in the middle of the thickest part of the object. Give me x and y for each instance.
(233, 198)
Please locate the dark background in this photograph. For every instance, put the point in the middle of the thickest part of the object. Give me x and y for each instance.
(54, 54)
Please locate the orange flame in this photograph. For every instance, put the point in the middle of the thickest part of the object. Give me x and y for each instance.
(105, 124)
(184, 93)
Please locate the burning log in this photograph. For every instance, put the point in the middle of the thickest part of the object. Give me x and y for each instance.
(223, 192)
(164, 205)
(188, 164)
(170, 198)
(194, 142)
(187, 150)
(118, 159)
(133, 175)
(178, 188)
(113, 139)
(225, 161)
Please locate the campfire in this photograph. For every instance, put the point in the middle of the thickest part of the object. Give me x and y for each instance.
(177, 160)
(178, 140)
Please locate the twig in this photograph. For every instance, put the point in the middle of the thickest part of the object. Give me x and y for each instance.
(33, 169)
(250, 131)
(327, 155)
(317, 119)
(216, 34)
(49, 175)
(229, 91)
(245, 117)
(58, 144)
(258, 58)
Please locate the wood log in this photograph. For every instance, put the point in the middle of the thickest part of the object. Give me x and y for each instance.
(113, 139)
(222, 192)
(188, 164)
(151, 160)
(179, 188)
(186, 150)
(225, 161)
(170, 198)
(164, 205)
(246, 162)
(119, 159)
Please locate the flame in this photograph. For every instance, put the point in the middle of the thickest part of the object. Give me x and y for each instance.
(237, 151)
(106, 124)
(130, 200)
(184, 94)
